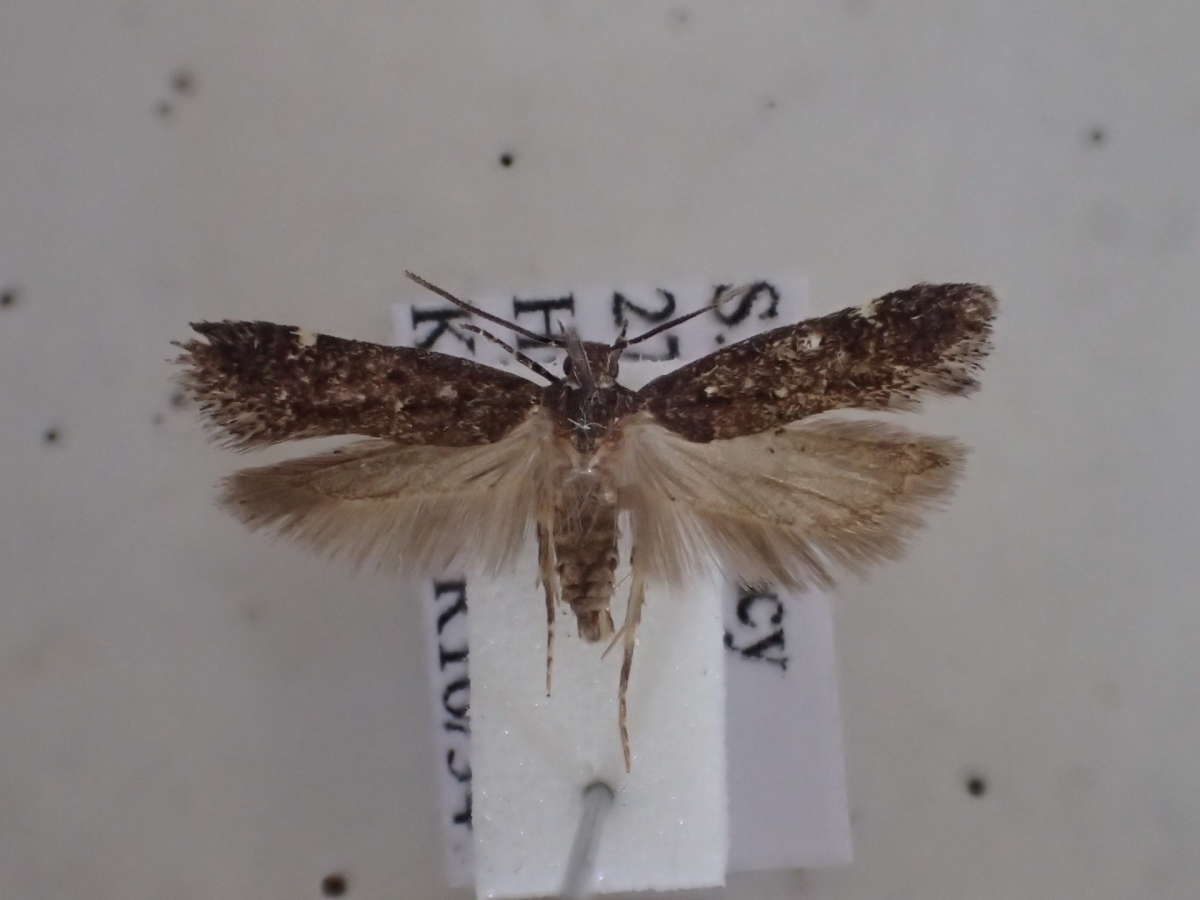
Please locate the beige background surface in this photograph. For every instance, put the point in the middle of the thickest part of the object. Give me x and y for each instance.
(189, 713)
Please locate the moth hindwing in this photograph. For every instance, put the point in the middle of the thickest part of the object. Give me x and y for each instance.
(728, 457)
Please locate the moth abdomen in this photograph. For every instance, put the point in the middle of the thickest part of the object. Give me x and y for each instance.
(585, 547)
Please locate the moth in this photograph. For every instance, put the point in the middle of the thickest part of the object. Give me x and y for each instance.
(730, 459)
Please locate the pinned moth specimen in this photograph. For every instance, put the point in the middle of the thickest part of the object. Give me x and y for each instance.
(727, 459)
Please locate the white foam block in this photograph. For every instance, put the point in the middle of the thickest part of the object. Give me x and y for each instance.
(532, 756)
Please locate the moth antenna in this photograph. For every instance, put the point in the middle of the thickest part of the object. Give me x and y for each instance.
(483, 314)
(620, 343)
(730, 293)
(517, 354)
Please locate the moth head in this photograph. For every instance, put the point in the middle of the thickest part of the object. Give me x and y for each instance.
(589, 364)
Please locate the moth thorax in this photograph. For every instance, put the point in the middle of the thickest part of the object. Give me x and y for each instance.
(585, 547)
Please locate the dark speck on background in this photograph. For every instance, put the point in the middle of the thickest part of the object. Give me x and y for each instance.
(8, 297)
(976, 785)
(183, 82)
(507, 158)
(680, 17)
(334, 885)
(1096, 136)
(51, 435)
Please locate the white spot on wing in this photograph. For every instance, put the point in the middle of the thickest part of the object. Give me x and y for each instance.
(447, 392)
(305, 337)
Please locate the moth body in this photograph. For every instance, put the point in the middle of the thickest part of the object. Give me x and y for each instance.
(585, 537)
(582, 528)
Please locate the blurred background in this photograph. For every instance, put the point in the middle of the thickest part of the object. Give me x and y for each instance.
(189, 713)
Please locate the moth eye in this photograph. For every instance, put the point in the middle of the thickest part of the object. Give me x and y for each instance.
(568, 369)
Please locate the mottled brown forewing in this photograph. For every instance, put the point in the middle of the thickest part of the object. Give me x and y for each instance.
(262, 383)
(930, 337)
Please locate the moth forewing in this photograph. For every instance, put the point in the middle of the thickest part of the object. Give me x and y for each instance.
(884, 355)
(258, 384)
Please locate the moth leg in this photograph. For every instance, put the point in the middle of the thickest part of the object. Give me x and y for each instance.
(633, 617)
(546, 568)
(616, 638)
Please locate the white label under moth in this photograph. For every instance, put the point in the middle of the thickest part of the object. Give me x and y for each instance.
(782, 715)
